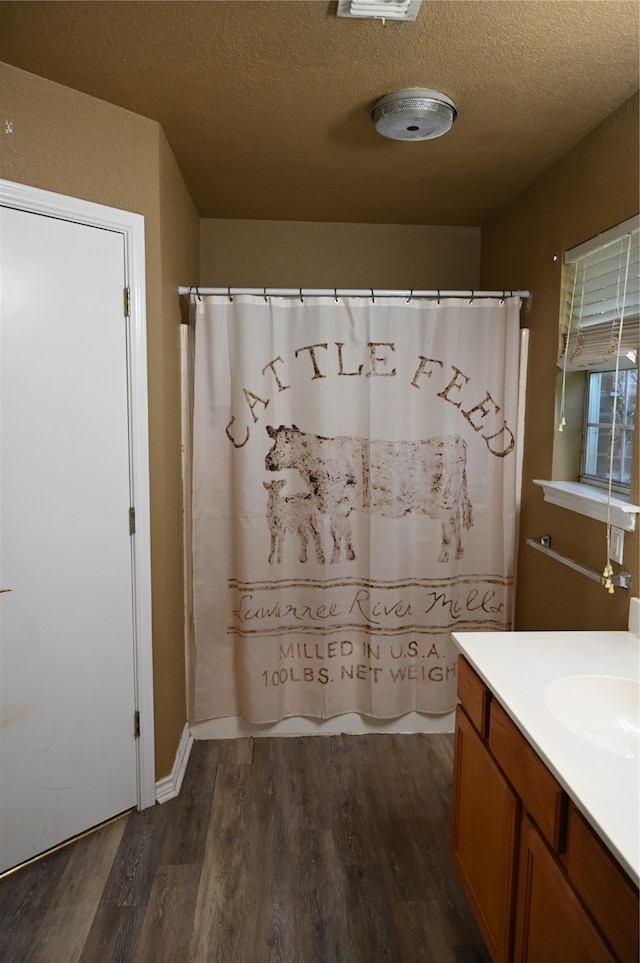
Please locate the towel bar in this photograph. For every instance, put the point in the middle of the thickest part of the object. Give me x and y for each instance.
(543, 544)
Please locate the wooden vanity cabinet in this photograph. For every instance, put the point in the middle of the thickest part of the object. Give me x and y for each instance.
(542, 885)
(486, 814)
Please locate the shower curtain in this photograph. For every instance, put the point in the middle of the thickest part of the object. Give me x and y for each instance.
(354, 500)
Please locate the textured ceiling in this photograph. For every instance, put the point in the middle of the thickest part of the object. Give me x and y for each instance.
(267, 105)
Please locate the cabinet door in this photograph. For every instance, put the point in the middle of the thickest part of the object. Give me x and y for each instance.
(606, 890)
(552, 925)
(483, 837)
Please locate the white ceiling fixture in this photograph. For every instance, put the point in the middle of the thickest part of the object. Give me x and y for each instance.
(414, 114)
(379, 9)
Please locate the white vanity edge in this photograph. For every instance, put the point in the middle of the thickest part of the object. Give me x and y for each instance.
(517, 667)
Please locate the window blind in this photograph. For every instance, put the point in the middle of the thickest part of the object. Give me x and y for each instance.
(601, 284)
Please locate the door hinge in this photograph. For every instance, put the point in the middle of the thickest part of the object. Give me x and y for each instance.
(136, 725)
(127, 302)
(132, 521)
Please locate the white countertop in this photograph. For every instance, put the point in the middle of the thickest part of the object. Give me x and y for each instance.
(517, 667)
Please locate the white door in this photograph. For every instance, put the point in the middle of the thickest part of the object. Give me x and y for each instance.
(67, 746)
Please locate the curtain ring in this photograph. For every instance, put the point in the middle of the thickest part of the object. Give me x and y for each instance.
(438, 295)
(504, 294)
(301, 298)
(266, 300)
(373, 298)
(335, 294)
(471, 299)
(229, 295)
(191, 289)
(410, 295)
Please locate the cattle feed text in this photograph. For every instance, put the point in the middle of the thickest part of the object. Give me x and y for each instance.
(480, 411)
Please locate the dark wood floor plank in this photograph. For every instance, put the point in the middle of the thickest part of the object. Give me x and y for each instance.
(423, 934)
(303, 772)
(248, 908)
(335, 932)
(279, 935)
(347, 804)
(361, 849)
(168, 924)
(189, 814)
(228, 863)
(137, 859)
(114, 934)
(244, 751)
(24, 902)
(400, 818)
(472, 954)
(73, 903)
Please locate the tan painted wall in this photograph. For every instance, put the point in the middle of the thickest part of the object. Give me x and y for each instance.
(301, 254)
(588, 190)
(72, 144)
(179, 235)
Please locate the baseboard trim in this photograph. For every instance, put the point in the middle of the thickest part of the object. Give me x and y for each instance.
(169, 787)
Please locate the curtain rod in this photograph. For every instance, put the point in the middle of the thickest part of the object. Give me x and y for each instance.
(408, 294)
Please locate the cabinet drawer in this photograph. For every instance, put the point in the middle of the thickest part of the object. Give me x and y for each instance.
(474, 696)
(541, 794)
(608, 893)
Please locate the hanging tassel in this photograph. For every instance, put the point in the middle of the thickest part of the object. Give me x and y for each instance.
(562, 424)
(617, 337)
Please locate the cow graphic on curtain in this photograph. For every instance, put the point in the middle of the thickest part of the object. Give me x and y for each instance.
(390, 478)
(354, 500)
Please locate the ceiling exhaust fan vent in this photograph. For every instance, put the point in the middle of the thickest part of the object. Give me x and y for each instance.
(379, 9)
(414, 114)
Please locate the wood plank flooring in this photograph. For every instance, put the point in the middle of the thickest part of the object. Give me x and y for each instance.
(293, 850)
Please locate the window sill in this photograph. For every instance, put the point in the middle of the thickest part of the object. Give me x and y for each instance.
(590, 501)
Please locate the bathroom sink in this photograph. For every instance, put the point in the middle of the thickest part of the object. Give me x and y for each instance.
(604, 710)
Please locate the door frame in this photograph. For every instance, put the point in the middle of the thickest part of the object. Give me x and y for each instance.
(131, 226)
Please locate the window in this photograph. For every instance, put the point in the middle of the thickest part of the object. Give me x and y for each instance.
(599, 458)
(599, 337)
